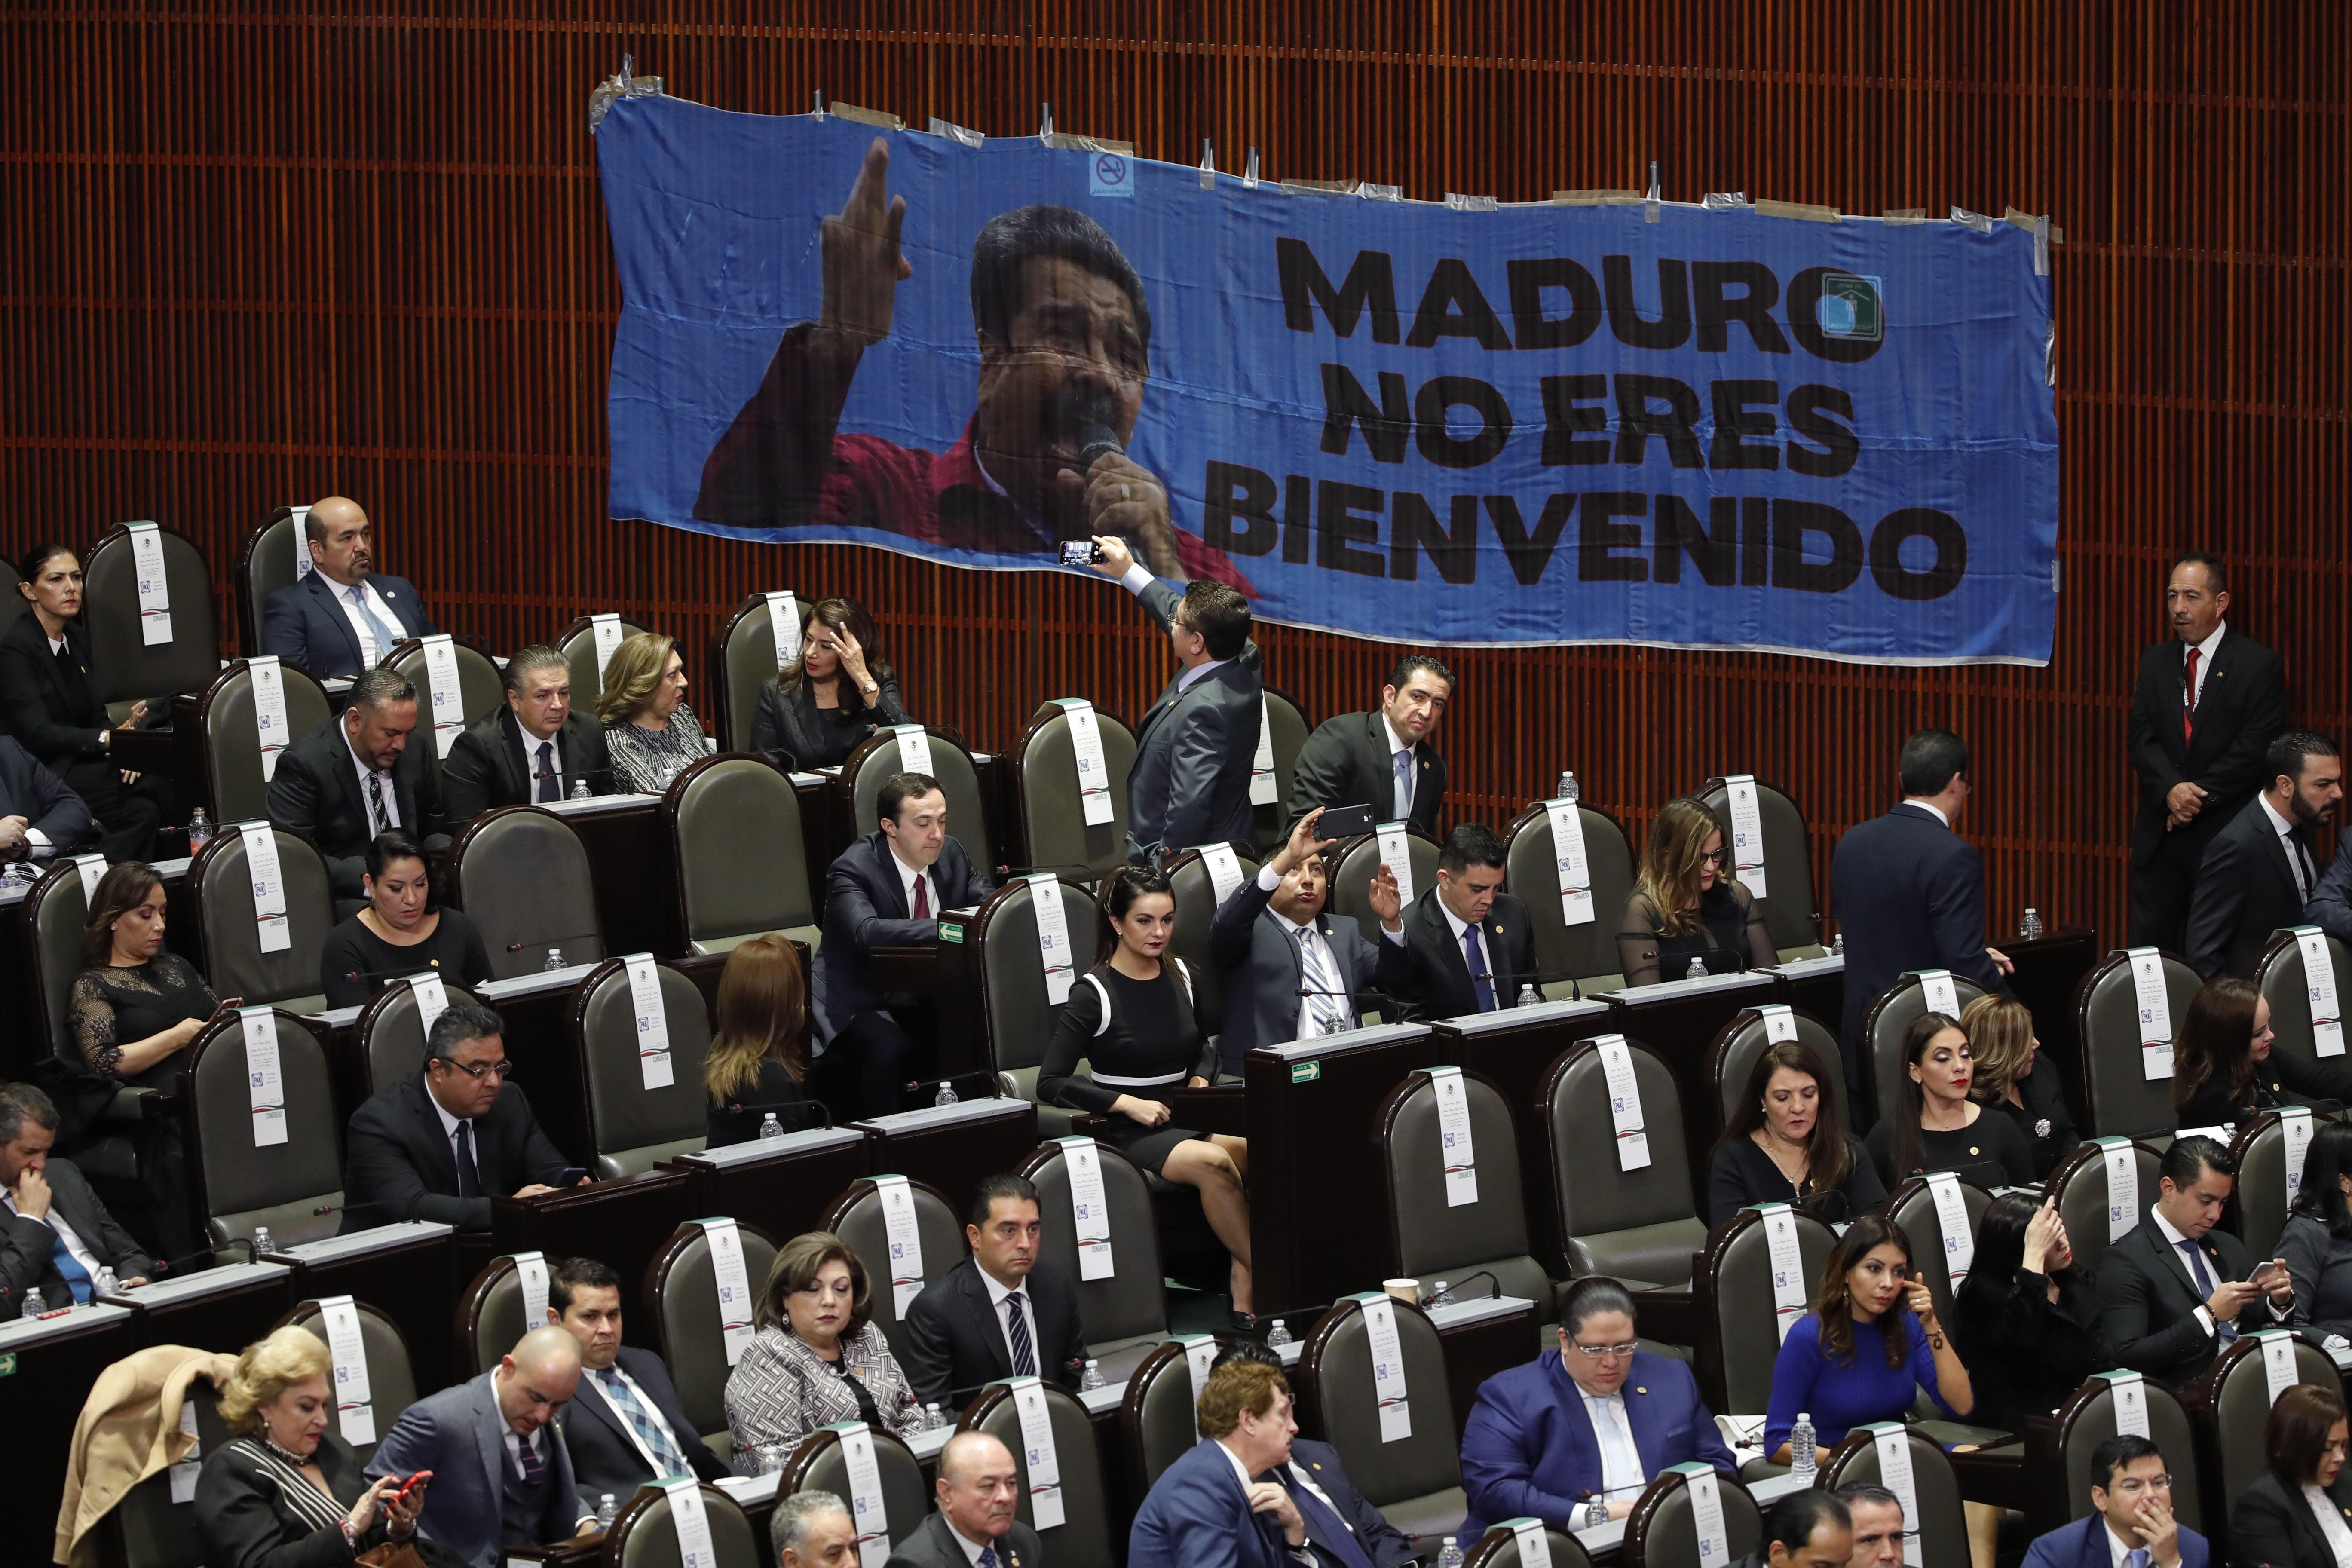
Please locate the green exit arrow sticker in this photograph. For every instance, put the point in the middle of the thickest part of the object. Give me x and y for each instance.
(1305, 1072)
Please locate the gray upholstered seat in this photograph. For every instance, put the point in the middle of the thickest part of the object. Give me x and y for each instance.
(1431, 1238)
(481, 690)
(1638, 1226)
(2089, 1419)
(2260, 1150)
(818, 1465)
(1287, 728)
(1158, 1417)
(1663, 1531)
(1883, 1023)
(878, 756)
(1054, 832)
(1416, 1481)
(684, 1292)
(1789, 915)
(734, 824)
(1125, 1315)
(1499, 1548)
(1734, 1283)
(2236, 1408)
(2123, 1102)
(1015, 1014)
(1743, 1039)
(1585, 953)
(2079, 1183)
(392, 1382)
(490, 1316)
(391, 1035)
(223, 714)
(2285, 988)
(124, 666)
(1942, 1523)
(12, 603)
(296, 1188)
(269, 562)
(1083, 1539)
(521, 876)
(54, 913)
(1354, 864)
(1912, 1207)
(631, 1127)
(645, 1533)
(1195, 892)
(147, 1529)
(743, 661)
(234, 960)
(577, 644)
(857, 1219)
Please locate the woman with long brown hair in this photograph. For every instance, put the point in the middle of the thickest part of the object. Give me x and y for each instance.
(758, 1065)
(1935, 1126)
(2288, 1517)
(2226, 1065)
(816, 709)
(1786, 1143)
(1686, 908)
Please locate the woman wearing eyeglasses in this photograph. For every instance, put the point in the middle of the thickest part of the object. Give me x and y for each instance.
(1686, 906)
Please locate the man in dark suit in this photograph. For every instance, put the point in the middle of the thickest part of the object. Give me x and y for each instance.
(40, 817)
(1909, 891)
(2209, 703)
(353, 776)
(1326, 1495)
(2174, 1291)
(1195, 745)
(1291, 970)
(1217, 1507)
(626, 1426)
(495, 1445)
(534, 748)
(887, 890)
(1381, 759)
(57, 1235)
(1473, 945)
(1598, 1417)
(2258, 873)
(343, 615)
(978, 1485)
(1808, 1528)
(2131, 1519)
(439, 1145)
(1002, 1312)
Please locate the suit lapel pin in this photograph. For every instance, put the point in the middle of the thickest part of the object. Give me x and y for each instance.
(1499, 930)
(1639, 1389)
(1314, 1463)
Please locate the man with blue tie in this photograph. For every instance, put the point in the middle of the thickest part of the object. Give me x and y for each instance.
(1381, 759)
(1473, 944)
(627, 1427)
(55, 1236)
(343, 615)
(2131, 1524)
(1598, 1419)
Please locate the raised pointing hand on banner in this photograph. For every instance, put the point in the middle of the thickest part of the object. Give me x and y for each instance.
(863, 263)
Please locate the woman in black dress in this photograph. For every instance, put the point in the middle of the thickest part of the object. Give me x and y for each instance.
(131, 1014)
(1787, 1145)
(1935, 1126)
(2025, 1320)
(1686, 906)
(2225, 1067)
(2001, 1037)
(1131, 1017)
(814, 712)
(399, 933)
(758, 1053)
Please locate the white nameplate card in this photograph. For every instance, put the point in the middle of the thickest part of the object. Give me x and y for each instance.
(1044, 1462)
(2278, 1360)
(1624, 1103)
(1937, 991)
(1747, 833)
(264, 1085)
(733, 1283)
(1788, 1259)
(92, 867)
(1568, 854)
(432, 999)
(1094, 773)
(2155, 1013)
(271, 731)
(1706, 1515)
(443, 692)
(867, 1512)
(914, 748)
(904, 1239)
(2130, 1392)
(1053, 936)
(1460, 1157)
(154, 589)
(2319, 984)
(692, 1523)
(2295, 1128)
(784, 627)
(1893, 1443)
(1396, 853)
(1535, 1545)
(1780, 1022)
(271, 928)
(1225, 869)
(1089, 1208)
(190, 1462)
(530, 1277)
(1200, 1356)
(1265, 787)
(2123, 1186)
(1952, 1215)
(301, 518)
(606, 629)
(653, 1020)
(354, 1400)
(1387, 1367)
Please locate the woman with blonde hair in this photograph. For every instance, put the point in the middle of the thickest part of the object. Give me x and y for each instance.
(2000, 1036)
(759, 1055)
(289, 1490)
(652, 734)
(1686, 908)
(818, 1357)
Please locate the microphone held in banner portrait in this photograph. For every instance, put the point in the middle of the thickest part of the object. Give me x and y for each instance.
(1508, 424)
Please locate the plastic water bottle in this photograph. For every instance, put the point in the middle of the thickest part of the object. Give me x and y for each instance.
(1596, 1512)
(1437, 1296)
(770, 1126)
(1528, 998)
(947, 1095)
(2029, 928)
(199, 830)
(1092, 1376)
(554, 961)
(1569, 789)
(933, 1420)
(34, 1305)
(606, 1508)
(1837, 945)
(261, 1242)
(579, 791)
(1698, 970)
(1800, 1446)
(105, 1284)
(1451, 1557)
(1278, 1336)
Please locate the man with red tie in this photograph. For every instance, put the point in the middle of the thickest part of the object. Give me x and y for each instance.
(2210, 701)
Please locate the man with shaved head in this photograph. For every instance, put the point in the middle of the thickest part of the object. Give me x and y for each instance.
(979, 1484)
(495, 1445)
(342, 615)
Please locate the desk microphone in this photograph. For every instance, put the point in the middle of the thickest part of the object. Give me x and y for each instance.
(1453, 1288)
(555, 941)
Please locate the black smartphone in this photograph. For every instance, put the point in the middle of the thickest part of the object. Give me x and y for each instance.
(571, 1176)
(1080, 552)
(1344, 822)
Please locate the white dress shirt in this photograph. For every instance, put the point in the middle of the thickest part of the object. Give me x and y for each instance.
(2290, 845)
(1935, 810)
(1403, 792)
(972, 1548)
(449, 1125)
(998, 1293)
(74, 1246)
(1307, 936)
(2173, 1239)
(2118, 1549)
(2331, 1524)
(372, 650)
(391, 796)
(530, 745)
(907, 878)
(1304, 1551)
(596, 1380)
(1612, 1431)
(2204, 661)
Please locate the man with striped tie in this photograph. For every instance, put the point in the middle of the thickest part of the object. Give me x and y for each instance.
(356, 775)
(1292, 970)
(627, 1427)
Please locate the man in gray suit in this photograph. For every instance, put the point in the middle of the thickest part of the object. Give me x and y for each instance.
(56, 1235)
(974, 1527)
(1291, 971)
(1193, 747)
(500, 1474)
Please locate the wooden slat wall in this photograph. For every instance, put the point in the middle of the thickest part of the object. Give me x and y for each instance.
(257, 256)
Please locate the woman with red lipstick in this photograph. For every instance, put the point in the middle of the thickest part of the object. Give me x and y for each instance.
(1832, 1369)
(2227, 1067)
(1935, 1126)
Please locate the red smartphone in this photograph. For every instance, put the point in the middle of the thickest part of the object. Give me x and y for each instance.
(409, 1486)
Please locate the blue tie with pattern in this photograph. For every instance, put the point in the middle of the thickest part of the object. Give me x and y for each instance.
(76, 1277)
(2228, 1331)
(667, 1458)
(1016, 1329)
(386, 638)
(1482, 985)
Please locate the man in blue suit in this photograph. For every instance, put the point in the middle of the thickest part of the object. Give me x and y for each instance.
(1909, 891)
(1193, 746)
(343, 616)
(1600, 1418)
(1217, 1507)
(2133, 1527)
(1314, 1476)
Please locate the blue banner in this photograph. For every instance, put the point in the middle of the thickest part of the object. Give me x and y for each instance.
(1535, 424)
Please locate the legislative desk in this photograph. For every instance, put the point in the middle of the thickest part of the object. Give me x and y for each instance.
(47, 1366)
(1814, 986)
(1678, 1022)
(1315, 1231)
(407, 1271)
(785, 1185)
(621, 1223)
(223, 1309)
(1514, 1049)
(952, 1147)
(1479, 1337)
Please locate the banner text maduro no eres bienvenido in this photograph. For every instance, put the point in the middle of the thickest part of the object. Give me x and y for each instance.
(1534, 425)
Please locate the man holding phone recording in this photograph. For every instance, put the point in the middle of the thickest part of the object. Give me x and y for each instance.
(2175, 1292)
